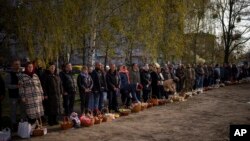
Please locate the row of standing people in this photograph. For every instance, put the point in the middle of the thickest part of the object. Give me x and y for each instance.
(34, 92)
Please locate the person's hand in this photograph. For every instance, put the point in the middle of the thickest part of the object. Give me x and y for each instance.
(87, 90)
(159, 83)
(24, 100)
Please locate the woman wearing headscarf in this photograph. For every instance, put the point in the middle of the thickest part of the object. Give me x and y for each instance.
(124, 87)
(31, 93)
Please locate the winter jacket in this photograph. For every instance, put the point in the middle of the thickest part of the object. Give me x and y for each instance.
(31, 91)
(12, 84)
(68, 82)
(52, 87)
(146, 79)
(84, 81)
(99, 80)
(113, 80)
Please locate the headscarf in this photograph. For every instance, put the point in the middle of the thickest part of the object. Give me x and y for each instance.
(123, 69)
(26, 70)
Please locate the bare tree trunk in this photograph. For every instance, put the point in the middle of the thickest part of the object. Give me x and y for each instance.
(92, 36)
(226, 55)
(106, 56)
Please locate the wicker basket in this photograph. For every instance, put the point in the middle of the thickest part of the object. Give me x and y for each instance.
(66, 123)
(144, 106)
(124, 112)
(150, 105)
(162, 101)
(39, 130)
(98, 120)
(176, 98)
(108, 117)
(87, 120)
(154, 100)
(136, 108)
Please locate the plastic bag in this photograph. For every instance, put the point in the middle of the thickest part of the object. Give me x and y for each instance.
(24, 129)
(5, 134)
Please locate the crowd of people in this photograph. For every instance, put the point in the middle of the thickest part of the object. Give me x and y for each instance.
(40, 93)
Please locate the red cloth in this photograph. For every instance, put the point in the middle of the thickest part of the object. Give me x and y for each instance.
(124, 69)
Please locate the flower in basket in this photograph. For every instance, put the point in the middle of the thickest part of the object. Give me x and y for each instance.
(76, 121)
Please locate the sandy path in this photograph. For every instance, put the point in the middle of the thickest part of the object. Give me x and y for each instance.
(201, 118)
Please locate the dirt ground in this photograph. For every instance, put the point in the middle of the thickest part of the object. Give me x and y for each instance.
(205, 117)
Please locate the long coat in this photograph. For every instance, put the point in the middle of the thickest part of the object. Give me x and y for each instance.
(155, 88)
(31, 91)
(53, 89)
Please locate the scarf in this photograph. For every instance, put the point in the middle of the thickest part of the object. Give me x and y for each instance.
(124, 70)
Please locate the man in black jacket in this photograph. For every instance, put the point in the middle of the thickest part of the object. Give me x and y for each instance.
(113, 84)
(99, 86)
(69, 88)
(2, 93)
(146, 82)
(13, 89)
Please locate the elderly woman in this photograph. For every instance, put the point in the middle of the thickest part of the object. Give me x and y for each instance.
(31, 93)
(53, 92)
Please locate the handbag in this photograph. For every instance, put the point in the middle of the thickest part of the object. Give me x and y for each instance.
(24, 129)
(5, 134)
(39, 129)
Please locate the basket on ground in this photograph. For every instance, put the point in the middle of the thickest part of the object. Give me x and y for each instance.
(66, 123)
(124, 112)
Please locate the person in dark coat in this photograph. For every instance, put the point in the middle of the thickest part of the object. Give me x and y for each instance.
(125, 85)
(2, 94)
(210, 75)
(227, 72)
(146, 82)
(234, 73)
(69, 89)
(53, 91)
(199, 75)
(180, 73)
(135, 80)
(113, 85)
(99, 86)
(85, 85)
(155, 81)
(13, 90)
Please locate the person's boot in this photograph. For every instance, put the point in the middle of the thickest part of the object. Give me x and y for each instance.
(55, 122)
